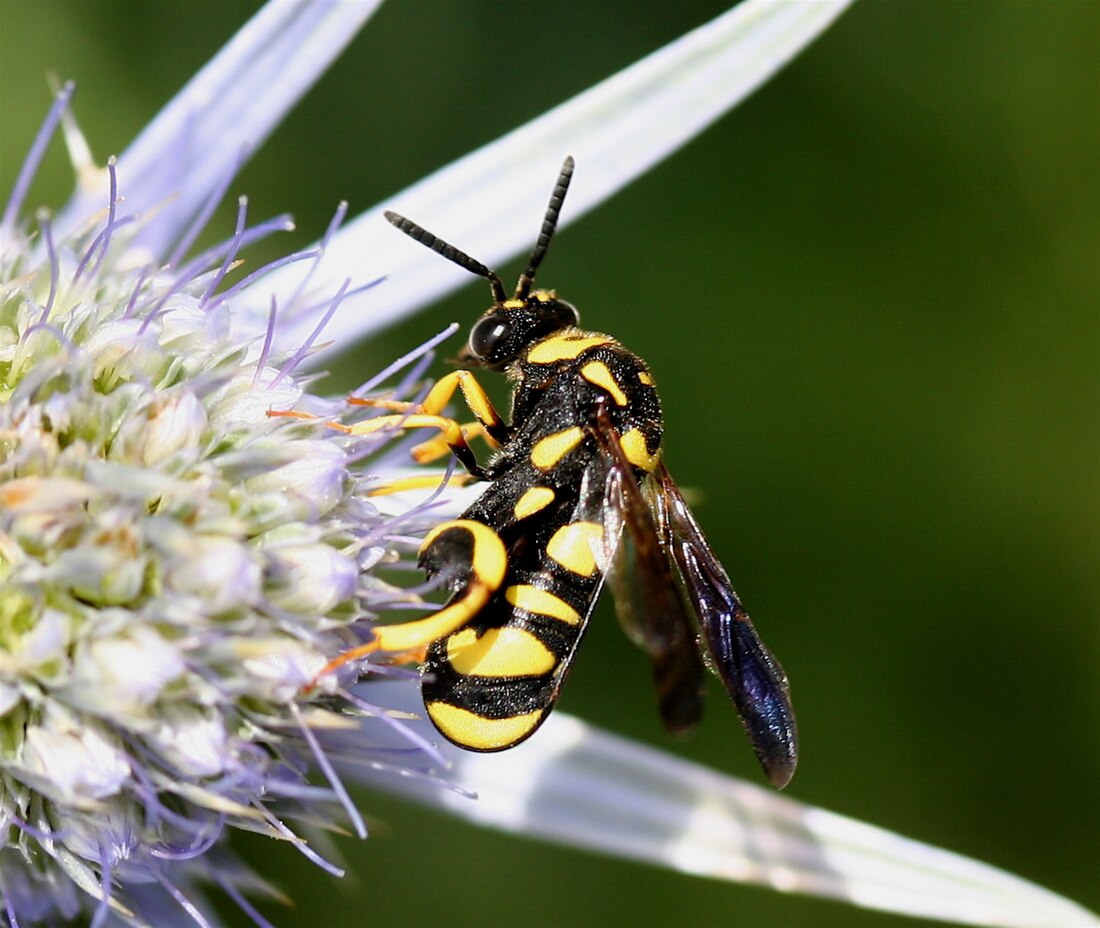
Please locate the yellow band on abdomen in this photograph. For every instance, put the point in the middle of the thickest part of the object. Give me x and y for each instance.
(478, 733)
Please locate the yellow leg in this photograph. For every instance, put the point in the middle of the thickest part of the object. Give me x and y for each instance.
(454, 436)
(487, 563)
(474, 395)
(435, 448)
(420, 482)
(440, 395)
(451, 430)
(395, 405)
(307, 416)
(413, 655)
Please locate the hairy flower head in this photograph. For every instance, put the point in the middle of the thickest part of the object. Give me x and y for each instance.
(173, 560)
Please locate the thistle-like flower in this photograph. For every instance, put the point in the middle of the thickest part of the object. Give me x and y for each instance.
(177, 563)
(173, 560)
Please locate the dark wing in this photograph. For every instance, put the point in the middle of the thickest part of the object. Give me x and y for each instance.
(753, 678)
(648, 597)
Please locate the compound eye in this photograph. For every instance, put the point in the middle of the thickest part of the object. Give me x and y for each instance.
(487, 335)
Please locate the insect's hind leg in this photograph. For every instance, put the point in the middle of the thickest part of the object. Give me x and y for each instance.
(467, 555)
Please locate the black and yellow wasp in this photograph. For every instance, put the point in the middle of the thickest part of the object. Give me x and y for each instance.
(577, 482)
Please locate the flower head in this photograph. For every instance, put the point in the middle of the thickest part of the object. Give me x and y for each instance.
(173, 560)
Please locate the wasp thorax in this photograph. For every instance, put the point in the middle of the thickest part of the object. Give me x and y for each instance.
(506, 330)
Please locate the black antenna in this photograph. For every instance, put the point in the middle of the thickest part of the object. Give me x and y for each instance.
(440, 247)
(549, 223)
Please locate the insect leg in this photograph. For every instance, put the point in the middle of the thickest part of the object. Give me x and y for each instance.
(452, 433)
(418, 482)
(306, 416)
(435, 448)
(472, 559)
(440, 395)
(476, 399)
(454, 436)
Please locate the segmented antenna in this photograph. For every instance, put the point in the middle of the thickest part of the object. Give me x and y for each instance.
(549, 223)
(464, 261)
(440, 247)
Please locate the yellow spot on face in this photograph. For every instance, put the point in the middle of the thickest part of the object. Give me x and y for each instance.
(499, 652)
(532, 501)
(564, 347)
(541, 602)
(645, 378)
(634, 447)
(478, 733)
(549, 450)
(513, 304)
(574, 546)
(598, 373)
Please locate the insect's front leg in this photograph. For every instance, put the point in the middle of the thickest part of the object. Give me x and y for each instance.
(454, 436)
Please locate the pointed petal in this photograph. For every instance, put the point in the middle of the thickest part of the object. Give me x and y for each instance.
(616, 130)
(576, 785)
(200, 139)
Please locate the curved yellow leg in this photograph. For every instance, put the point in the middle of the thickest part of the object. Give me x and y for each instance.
(440, 395)
(488, 562)
(419, 482)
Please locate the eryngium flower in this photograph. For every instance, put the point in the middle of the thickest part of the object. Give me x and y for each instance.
(173, 559)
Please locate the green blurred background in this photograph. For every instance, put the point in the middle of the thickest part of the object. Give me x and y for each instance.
(870, 296)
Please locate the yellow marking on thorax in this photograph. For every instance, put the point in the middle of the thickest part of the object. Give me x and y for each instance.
(574, 547)
(541, 602)
(644, 378)
(564, 347)
(549, 450)
(499, 652)
(478, 733)
(634, 447)
(598, 373)
(533, 500)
